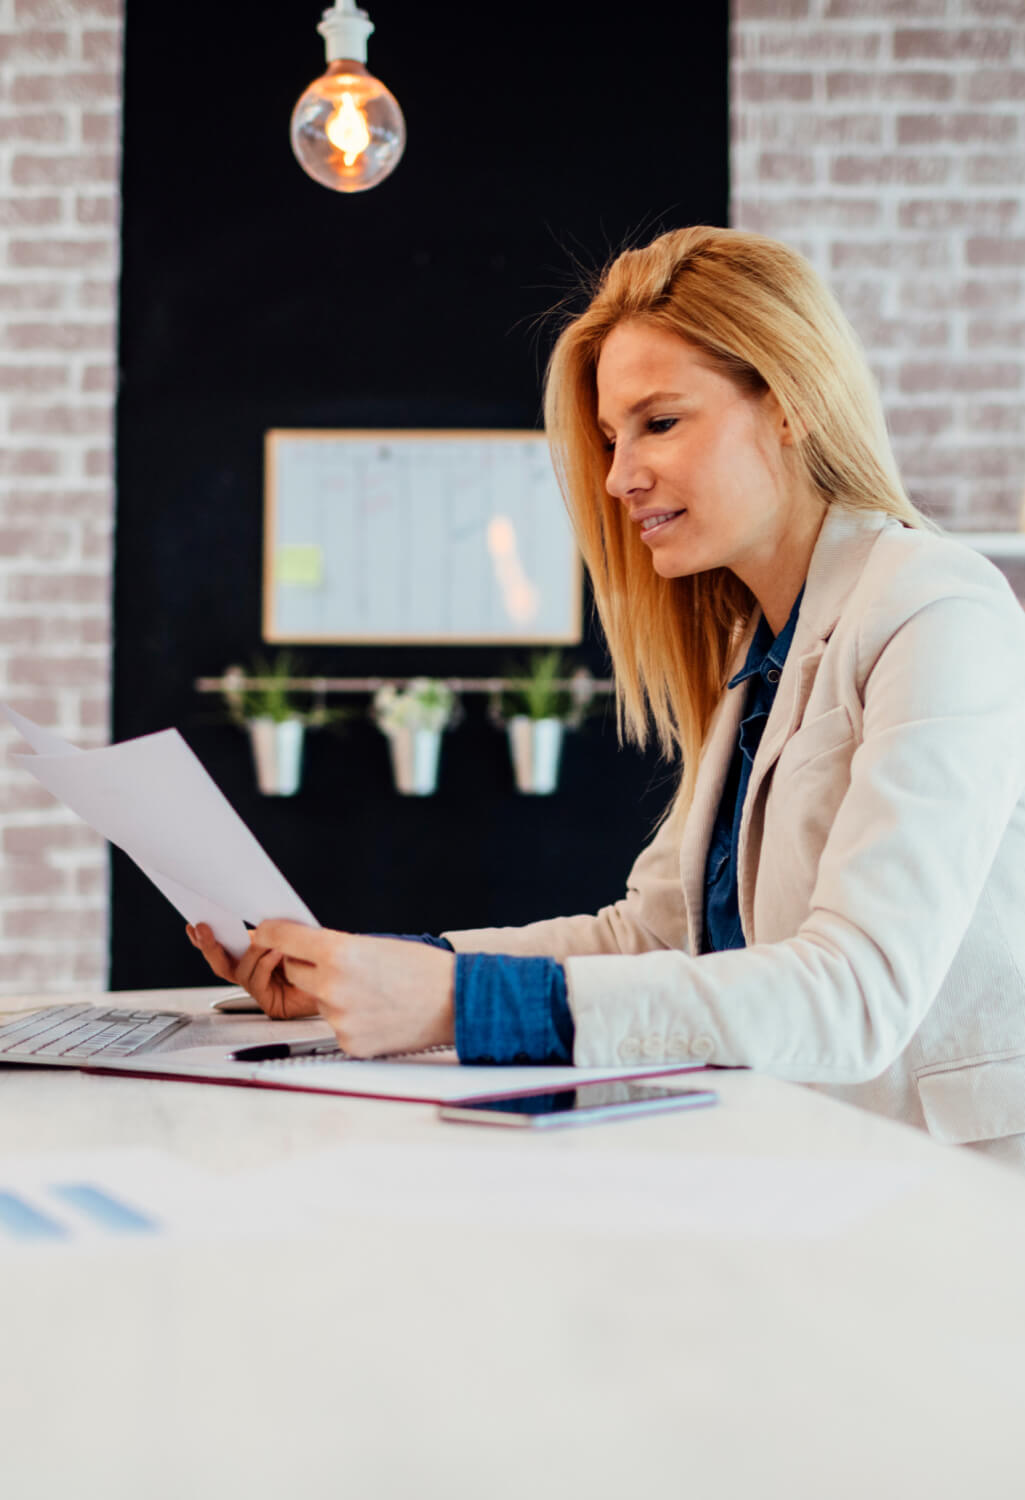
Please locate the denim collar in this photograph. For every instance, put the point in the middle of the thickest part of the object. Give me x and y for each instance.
(766, 650)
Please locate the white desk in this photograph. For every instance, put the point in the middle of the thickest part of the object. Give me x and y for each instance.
(446, 1357)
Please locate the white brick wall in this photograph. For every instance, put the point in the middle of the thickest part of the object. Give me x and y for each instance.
(886, 140)
(60, 92)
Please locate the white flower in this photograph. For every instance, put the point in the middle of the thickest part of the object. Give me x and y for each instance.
(425, 703)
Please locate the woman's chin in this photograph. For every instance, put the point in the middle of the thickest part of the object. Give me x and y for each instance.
(668, 565)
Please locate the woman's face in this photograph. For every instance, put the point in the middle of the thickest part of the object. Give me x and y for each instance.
(698, 463)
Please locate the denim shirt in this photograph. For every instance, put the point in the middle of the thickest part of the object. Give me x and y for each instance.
(508, 1010)
(762, 671)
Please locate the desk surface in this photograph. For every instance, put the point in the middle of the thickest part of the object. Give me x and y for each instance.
(524, 1342)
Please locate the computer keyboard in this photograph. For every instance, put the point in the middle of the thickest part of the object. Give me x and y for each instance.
(77, 1032)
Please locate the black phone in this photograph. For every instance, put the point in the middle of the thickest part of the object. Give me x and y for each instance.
(587, 1102)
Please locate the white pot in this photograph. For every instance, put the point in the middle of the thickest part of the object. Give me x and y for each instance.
(277, 755)
(536, 748)
(414, 759)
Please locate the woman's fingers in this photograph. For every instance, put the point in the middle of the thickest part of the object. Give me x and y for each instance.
(295, 939)
(264, 984)
(247, 963)
(223, 965)
(302, 975)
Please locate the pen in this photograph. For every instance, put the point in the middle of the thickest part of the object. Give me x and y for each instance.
(271, 1051)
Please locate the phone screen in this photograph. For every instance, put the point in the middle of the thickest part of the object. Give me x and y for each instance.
(588, 1101)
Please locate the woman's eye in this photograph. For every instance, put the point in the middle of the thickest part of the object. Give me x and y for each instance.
(661, 424)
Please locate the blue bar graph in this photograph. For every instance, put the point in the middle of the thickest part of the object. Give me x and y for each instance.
(22, 1221)
(103, 1210)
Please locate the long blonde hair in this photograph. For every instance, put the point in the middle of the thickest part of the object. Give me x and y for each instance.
(760, 313)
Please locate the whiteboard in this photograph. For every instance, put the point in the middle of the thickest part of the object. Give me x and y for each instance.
(382, 536)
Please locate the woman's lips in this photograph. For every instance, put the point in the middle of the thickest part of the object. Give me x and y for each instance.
(651, 531)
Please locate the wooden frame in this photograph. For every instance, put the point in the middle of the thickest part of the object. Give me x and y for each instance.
(466, 529)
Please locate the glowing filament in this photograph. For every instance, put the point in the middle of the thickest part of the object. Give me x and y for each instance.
(347, 130)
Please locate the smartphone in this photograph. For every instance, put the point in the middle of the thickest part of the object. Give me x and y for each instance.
(617, 1100)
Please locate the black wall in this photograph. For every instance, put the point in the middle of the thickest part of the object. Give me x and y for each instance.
(539, 141)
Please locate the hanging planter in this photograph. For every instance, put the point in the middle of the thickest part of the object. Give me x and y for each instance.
(536, 714)
(535, 746)
(274, 722)
(415, 754)
(413, 719)
(277, 746)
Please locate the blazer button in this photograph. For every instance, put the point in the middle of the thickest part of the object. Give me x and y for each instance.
(677, 1048)
(629, 1050)
(702, 1048)
(653, 1049)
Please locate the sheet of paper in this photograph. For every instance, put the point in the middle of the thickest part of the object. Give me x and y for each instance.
(154, 799)
(117, 1199)
(229, 930)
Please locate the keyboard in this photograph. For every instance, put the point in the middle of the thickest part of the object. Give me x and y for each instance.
(75, 1033)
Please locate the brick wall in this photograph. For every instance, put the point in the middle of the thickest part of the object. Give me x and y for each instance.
(886, 140)
(59, 212)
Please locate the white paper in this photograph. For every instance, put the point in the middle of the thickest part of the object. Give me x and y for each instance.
(154, 799)
(133, 1197)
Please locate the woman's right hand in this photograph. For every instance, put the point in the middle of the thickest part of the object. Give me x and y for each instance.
(258, 972)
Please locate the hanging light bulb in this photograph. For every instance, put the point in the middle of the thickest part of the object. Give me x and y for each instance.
(347, 129)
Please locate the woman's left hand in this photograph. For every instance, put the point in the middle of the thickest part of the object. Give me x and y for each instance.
(379, 994)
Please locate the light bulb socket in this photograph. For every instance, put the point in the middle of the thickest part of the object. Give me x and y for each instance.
(345, 29)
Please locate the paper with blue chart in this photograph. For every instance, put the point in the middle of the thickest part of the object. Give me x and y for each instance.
(154, 799)
(105, 1198)
(417, 536)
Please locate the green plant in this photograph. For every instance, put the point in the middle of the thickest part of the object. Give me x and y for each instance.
(537, 695)
(273, 699)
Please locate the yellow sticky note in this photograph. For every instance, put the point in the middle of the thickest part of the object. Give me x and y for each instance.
(301, 565)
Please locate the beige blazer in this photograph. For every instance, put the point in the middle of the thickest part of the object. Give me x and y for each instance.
(881, 860)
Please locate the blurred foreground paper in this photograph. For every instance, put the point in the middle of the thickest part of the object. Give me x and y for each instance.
(154, 799)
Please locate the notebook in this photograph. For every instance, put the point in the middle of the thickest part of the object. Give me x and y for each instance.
(122, 1035)
(437, 1077)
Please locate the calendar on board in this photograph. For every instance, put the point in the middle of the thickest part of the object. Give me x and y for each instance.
(408, 536)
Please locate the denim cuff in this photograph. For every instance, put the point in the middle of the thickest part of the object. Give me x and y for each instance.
(409, 937)
(512, 1010)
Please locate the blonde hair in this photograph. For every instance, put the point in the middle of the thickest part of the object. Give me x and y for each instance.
(761, 315)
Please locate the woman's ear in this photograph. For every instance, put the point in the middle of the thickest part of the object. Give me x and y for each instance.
(789, 431)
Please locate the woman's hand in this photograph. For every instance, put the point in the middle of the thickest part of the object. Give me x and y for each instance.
(258, 972)
(379, 994)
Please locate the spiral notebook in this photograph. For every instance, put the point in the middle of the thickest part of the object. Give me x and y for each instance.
(434, 1077)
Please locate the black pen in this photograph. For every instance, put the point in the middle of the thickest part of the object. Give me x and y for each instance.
(272, 1051)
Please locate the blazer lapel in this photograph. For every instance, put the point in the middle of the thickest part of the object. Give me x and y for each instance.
(715, 763)
(840, 553)
(784, 720)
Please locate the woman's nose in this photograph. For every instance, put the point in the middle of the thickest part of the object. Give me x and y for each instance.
(626, 476)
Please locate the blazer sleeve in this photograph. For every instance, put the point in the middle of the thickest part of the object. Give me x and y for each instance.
(935, 781)
(650, 917)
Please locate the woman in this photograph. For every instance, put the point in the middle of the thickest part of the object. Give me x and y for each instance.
(837, 896)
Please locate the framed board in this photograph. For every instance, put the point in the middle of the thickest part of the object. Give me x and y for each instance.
(406, 536)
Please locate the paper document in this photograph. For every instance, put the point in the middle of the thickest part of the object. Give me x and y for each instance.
(153, 798)
(126, 1199)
